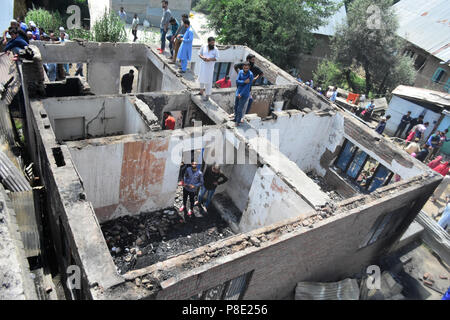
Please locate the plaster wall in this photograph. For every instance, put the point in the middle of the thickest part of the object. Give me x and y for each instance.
(303, 138)
(101, 116)
(398, 107)
(271, 200)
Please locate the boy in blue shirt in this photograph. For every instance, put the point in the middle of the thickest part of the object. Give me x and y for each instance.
(16, 42)
(193, 180)
(244, 83)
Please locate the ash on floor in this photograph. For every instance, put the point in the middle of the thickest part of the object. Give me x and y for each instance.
(140, 241)
(330, 191)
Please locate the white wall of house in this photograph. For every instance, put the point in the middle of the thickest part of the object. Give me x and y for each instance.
(6, 14)
(398, 107)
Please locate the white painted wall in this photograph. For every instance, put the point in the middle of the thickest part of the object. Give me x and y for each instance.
(120, 114)
(6, 14)
(233, 54)
(133, 122)
(97, 9)
(398, 107)
(240, 181)
(271, 201)
(303, 138)
(100, 168)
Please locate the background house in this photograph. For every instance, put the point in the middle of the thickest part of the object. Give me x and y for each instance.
(306, 63)
(6, 14)
(425, 25)
(151, 10)
(433, 105)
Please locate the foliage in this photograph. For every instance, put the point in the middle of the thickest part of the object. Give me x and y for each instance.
(277, 29)
(44, 19)
(374, 47)
(80, 34)
(329, 73)
(110, 28)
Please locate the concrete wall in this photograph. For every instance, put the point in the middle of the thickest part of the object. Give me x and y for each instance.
(318, 133)
(151, 9)
(271, 200)
(160, 78)
(330, 251)
(233, 54)
(97, 9)
(240, 181)
(158, 103)
(398, 107)
(119, 116)
(263, 98)
(128, 177)
(425, 73)
(105, 60)
(70, 218)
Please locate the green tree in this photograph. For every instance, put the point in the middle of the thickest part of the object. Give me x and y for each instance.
(368, 40)
(44, 19)
(329, 73)
(276, 29)
(110, 28)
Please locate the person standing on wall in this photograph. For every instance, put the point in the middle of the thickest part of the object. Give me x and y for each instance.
(258, 74)
(164, 26)
(244, 83)
(213, 178)
(209, 55)
(134, 27)
(171, 37)
(185, 53)
(406, 119)
(177, 38)
(127, 82)
(193, 180)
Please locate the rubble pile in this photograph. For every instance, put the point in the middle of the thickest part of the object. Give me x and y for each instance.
(140, 241)
(325, 187)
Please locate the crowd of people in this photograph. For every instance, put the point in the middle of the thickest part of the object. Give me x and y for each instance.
(19, 35)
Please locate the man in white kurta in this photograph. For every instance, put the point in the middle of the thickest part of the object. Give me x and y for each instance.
(209, 55)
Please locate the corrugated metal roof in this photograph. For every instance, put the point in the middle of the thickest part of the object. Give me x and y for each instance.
(346, 289)
(426, 24)
(9, 86)
(11, 177)
(425, 95)
(23, 204)
(338, 18)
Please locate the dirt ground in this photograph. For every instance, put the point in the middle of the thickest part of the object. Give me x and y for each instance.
(421, 265)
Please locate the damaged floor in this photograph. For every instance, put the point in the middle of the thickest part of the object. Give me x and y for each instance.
(420, 272)
(329, 190)
(138, 242)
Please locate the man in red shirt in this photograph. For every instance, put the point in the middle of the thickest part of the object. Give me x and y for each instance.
(169, 121)
(224, 83)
